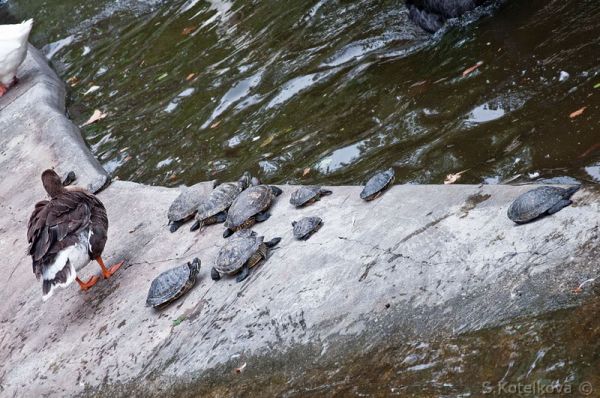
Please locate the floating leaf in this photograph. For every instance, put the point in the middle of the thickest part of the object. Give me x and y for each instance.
(188, 30)
(597, 85)
(190, 76)
(162, 76)
(472, 68)
(418, 83)
(578, 112)
(267, 141)
(306, 171)
(73, 81)
(97, 115)
(452, 178)
(215, 125)
(91, 90)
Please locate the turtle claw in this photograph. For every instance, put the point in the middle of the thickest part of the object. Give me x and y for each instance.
(273, 242)
(227, 233)
(214, 274)
(221, 217)
(263, 216)
(69, 179)
(243, 274)
(197, 224)
(325, 192)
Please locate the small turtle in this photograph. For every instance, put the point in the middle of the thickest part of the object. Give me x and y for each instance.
(307, 226)
(185, 205)
(377, 184)
(172, 284)
(213, 209)
(540, 202)
(250, 207)
(307, 195)
(243, 251)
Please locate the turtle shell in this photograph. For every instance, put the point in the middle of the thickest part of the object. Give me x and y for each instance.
(306, 226)
(303, 195)
(248, 203)
(377, 184)
(219, 200)
(537, 202)
(172, 284)
(185, 205)
(240, 247)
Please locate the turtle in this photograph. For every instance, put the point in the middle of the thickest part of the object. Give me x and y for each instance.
(213, 209)
(244, 250)
(305, 227)
(307, 195)
(377, 184)
(250, 207)
(185, 205)
(539, 202)
(172, 284)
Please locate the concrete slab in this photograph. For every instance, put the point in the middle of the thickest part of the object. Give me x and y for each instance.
(421, 260)
(36, 133)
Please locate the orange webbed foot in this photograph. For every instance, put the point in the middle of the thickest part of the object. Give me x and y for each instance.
(108, 272)
(3, 89)
(86, 285)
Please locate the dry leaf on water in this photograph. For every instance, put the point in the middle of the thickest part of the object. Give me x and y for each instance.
(190, 76)
(578, 112)
(267, 141)
(241, 368)
(452, 178)
(306, 171)
(215, 125)
(472, 68)
(97, 115)
(188, 30)
(73, 81)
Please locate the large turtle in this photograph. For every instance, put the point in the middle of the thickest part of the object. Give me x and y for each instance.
(307, 195)
(377, 184)
(540, 202)
(242, 251)
(185, 205)
(305, 227)
(172, 284)
(250, 207)
(213, 209)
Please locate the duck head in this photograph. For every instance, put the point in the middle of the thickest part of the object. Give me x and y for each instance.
(52, 183)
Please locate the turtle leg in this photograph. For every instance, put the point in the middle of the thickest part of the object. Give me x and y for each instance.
(243, 274)
(174, 225)
(220, 217)
(559, 205)
(273, 242)
(262, 216)
(196, 225)
(69, 179)
(227, 233)
(276, 191)
(214, 274)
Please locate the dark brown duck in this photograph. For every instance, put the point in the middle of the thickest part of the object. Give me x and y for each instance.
(65, 233)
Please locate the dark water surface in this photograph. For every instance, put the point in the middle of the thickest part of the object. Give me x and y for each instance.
(342, 88)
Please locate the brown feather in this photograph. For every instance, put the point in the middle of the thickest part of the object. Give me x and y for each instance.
(56, 224)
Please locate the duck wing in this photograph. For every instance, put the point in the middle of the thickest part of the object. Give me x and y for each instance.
(57, 224)
(16, 32)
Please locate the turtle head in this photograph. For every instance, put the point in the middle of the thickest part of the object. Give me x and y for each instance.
(194, 266)
(245, 180)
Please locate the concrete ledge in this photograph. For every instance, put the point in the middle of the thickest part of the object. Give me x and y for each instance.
(419, 261)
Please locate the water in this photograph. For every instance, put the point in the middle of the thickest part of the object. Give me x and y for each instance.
(207, 89)
(327, 91)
